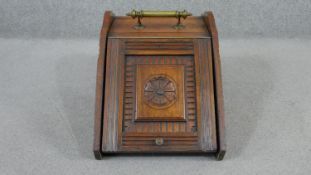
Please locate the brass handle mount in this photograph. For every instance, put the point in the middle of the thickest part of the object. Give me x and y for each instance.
(142, 13)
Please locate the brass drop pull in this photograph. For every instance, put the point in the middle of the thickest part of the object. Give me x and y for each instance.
(159, 141)
(140, 14)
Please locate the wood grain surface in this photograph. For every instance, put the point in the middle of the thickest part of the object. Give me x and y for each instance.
(162, 87)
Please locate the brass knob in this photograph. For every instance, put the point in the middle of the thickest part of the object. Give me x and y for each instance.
(159, 141)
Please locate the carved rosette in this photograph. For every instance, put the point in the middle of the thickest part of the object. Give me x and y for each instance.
(160, 92)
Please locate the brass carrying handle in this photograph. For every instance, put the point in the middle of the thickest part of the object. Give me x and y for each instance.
(140, 14)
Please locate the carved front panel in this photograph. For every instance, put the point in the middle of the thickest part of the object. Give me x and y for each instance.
(160, 92)
(159, 99)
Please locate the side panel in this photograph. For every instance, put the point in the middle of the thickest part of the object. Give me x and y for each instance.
(100, 85)
(209, 20)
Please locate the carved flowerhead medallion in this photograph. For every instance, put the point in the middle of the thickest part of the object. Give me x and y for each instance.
(160, 91)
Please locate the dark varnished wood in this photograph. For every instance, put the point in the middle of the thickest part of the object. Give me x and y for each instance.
(113, 96)
(183, 112)
(144, 128)
(164, 126)
(220, 119)
(100, 85)
(205, 94)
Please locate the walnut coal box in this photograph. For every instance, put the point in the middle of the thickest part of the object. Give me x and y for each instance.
(158, 87)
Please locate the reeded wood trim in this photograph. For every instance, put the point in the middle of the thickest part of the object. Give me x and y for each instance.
(209, 20)
(107, 21)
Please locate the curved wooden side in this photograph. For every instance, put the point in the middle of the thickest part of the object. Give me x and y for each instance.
(219, 100)
(100, 86)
